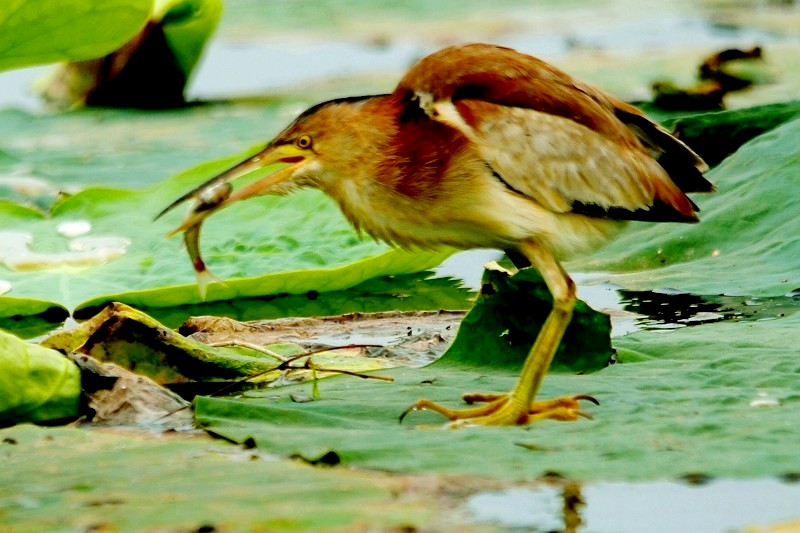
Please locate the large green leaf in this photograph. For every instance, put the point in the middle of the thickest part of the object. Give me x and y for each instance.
(507, 316)
(38, 384)
(717, 135)
(148, 71)
(47, 31)
(298, 244)
(718, 399)
(66, 479)
(78, 150)
(748, 240)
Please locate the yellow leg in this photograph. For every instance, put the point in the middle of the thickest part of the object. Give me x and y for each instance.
(518, 406)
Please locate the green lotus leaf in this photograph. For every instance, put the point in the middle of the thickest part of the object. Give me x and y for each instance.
(187, 25)
(37, 384)
(297, 244)
(501, 327)
(718, 399)
(748, 240)
(47, 31)
(134, 482)
(715, 136)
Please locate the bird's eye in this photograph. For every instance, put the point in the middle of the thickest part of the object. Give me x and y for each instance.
(303, 142)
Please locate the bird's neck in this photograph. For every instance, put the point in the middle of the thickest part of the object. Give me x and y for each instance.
(397, 161)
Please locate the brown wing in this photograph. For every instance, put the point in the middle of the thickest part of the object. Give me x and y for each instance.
(582, 149)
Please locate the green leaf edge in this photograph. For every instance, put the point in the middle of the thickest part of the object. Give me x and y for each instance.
(391, 263)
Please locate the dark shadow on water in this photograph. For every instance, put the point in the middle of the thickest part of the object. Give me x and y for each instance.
(669, 309)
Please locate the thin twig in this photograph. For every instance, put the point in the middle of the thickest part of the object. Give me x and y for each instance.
(251, 346)
(286, 366)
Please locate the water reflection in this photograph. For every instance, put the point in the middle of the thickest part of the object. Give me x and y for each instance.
(573, 503)
(724, 505)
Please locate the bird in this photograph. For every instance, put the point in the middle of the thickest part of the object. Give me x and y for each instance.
(483, 146)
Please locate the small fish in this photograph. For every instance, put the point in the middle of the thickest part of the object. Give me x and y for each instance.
(208, 200)
(204, 276)
(211, 197)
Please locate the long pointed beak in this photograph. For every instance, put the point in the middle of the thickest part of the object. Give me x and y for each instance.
(270, 155)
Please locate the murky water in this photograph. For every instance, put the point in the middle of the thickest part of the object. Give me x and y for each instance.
(632, 311)
(720, 506)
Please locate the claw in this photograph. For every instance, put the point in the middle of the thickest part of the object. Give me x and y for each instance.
(404, 413)
(587, 398)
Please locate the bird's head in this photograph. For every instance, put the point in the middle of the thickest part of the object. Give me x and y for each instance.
(326, 143)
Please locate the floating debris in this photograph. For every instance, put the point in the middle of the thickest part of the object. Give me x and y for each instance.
(715, 81)
(28, 186)
(74, 228)
(763, 399)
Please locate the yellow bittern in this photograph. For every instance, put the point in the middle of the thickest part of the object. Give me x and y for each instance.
(480, 146)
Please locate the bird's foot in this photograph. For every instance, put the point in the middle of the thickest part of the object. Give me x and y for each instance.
(501, 410)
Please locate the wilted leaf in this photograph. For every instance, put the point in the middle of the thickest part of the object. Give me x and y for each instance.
(117, 397)
(135, 341)
(410, 338)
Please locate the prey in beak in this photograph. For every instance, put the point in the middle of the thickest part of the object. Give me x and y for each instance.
(327, 143)
(218, 193)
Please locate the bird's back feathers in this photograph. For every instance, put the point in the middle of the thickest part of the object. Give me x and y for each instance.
(583, 158)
